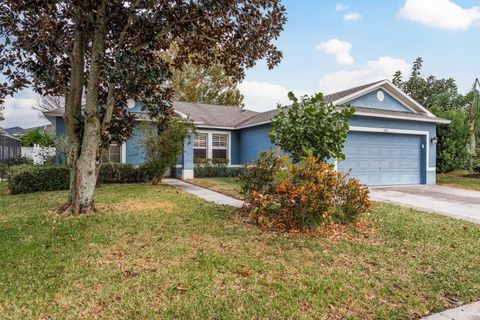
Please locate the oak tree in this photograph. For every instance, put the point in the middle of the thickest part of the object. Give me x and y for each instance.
(100, 53)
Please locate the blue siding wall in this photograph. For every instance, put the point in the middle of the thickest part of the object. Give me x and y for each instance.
(59, 127)
(235, 148)
(254, 140)
(187, 159)
(370, 100)
(135, 151)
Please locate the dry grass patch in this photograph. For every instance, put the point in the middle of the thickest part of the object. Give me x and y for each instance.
(139, 206)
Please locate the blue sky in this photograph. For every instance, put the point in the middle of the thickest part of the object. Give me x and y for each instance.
(334, 45)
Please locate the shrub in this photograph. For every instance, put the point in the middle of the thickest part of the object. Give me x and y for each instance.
(3, 170)
(259, 176)
(309, 125)
(124, 173)
(216, 167)
(476, 162)
(303, 195)
(29, 178)
(162, 147)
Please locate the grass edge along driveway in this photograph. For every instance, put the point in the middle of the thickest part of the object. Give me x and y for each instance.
(155, 252)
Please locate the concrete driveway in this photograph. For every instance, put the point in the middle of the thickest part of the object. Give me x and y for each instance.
(453, 202)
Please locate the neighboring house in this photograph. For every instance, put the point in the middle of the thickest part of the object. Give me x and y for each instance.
(392, 138)
(48, 128)
(10, 147)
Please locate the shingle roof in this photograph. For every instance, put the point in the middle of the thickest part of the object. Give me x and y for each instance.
(329, 98)
(233, 117)
(214, 115)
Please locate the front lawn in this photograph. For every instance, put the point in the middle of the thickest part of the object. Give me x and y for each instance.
(458, 179)
(152, 252)
(228, 186)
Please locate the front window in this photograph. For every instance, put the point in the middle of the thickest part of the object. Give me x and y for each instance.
(112, 154)
(200, 145)
(219, 146)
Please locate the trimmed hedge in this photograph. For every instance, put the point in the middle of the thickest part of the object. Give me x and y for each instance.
(214, 172)
(213, 168)
(124, 173)
(31, 178)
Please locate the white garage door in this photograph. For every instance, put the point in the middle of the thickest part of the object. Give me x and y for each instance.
(383, 158)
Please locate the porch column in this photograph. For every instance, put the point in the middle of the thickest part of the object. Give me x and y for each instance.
(187, 159)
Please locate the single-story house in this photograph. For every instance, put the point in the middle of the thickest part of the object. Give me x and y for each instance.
(392, 138)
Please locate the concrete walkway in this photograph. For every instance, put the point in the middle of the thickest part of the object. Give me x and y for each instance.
(453, 202)
(467, 312)
(208, 195)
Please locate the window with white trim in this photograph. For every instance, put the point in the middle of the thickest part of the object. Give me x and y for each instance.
(219, 146)
(200, 144)
(113, 153)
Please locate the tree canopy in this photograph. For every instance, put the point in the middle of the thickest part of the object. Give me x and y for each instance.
(310, 126)
(442, 97)
(203, 84)
(100, 53)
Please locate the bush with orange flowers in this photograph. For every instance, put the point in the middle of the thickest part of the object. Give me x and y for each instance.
(301, 195)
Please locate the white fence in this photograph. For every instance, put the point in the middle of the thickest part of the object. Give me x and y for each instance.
(38, 154)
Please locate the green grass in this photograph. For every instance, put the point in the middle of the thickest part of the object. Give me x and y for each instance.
(153, 252)
(457, 179)
(228, 186)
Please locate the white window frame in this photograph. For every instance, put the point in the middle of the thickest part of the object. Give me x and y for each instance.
(210, 143)
(123, 152)
(206, 145)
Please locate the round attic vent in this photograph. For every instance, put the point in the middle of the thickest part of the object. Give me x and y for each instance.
(130, 103)
(380, 96)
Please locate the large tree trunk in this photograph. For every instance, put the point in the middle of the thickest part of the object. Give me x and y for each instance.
(83, 155)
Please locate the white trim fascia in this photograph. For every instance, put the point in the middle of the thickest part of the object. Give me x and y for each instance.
(402, 131)
(215, 127)
(55, 113)
(399, 117)
(254, 125)
(123, 153)
(181, 114)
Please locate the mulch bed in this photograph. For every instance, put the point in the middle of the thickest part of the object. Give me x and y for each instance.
(473, 175)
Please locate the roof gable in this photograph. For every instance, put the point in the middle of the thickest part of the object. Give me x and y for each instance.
(380, 99)
(393, 91)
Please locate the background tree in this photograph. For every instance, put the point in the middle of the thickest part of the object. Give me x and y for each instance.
(104, 52)
(441, 97)
(203, 84)
(310, 126)
(37, 136)
(50, 103)
(210, 85)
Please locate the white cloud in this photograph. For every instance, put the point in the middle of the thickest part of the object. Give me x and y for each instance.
(440, 13)
(352, 16)
(373, 70)
(341, 6)
(19, 112)
(341, 50)
(263, 96)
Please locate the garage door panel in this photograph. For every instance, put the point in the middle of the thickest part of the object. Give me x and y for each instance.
(383, 158)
